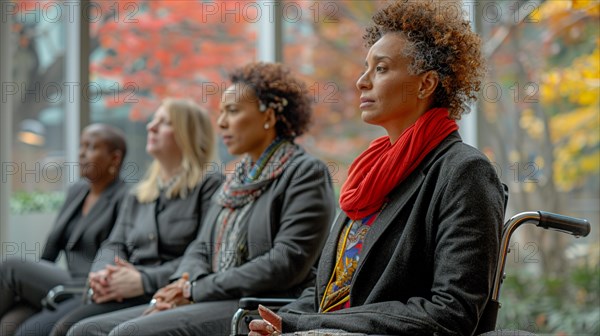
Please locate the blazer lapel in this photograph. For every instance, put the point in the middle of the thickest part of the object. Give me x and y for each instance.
(400, 197)
(73, 206)
(328, 254)
(399, 200)
(95, 213)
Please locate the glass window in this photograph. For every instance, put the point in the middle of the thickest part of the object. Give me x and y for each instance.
(144, 51)
(322, 41)
(38, 92)
(539, 124)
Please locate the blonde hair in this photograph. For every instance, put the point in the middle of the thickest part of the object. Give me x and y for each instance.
(194, 135)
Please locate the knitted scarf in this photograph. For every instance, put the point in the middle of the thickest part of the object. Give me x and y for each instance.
(382, 166)
(237, 195)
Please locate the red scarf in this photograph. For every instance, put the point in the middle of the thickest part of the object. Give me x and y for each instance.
(381, 167)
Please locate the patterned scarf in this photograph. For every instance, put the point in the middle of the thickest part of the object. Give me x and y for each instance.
(237, 195)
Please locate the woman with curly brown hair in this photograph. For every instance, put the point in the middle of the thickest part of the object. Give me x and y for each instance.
(415, 249)
(267, 223)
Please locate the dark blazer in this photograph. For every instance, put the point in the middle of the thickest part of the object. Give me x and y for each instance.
(428, 261)
(153, 238)
(288, 225)
(81, 247)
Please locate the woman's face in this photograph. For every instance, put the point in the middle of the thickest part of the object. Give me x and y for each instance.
(242, 124)
(95, 156)
(161, 142)
(389, 93)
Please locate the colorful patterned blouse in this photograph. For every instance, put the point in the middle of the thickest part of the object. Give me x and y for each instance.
(349, 248)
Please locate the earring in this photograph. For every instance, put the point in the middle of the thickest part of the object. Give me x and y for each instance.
(267, 126)
(112, 170)
(420, 95)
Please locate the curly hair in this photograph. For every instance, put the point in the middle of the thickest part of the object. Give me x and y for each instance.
(439, 39)
(274, 85)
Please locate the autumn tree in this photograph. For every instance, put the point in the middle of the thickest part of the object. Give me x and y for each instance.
(540, 110)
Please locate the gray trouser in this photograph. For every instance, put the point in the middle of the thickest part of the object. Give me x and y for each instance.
(203, 318)
(44, 321)
(23, 284)
(84, 311)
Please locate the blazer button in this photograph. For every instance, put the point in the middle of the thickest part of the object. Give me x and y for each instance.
(151, 236)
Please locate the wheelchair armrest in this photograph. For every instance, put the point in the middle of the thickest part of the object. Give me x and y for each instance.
(251, 303)
(62, 292)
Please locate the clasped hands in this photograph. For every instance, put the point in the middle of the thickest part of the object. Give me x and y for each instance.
(169, 296)
(116, 282)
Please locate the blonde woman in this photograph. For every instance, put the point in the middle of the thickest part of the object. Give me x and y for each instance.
(161, 216)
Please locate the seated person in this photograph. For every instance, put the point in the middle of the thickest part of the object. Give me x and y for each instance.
(266, 227)
(415, 251)
(157, 220)
(83, 222)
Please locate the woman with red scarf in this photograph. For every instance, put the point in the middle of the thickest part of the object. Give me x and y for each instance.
(416, 250)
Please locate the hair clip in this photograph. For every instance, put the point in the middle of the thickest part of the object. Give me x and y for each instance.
(278, 104)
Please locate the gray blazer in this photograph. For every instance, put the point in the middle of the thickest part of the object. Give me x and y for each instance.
(288, 225)
(428, 261)
(153, 236)
(81, 247)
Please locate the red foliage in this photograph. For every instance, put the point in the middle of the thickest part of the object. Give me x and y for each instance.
(167, 48)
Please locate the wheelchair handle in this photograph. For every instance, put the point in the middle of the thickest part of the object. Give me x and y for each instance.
(547, 220)
(575, 226)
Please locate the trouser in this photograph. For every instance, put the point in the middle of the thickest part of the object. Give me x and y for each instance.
(92, 309)
(45, 320)
(23, 284)
(203, 318)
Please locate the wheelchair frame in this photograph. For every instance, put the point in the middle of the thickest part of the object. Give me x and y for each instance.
(546, 220)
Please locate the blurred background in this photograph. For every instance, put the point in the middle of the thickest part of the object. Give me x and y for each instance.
(65, 64)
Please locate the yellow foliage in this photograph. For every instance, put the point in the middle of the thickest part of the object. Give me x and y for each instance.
(532, 124)
(580, 83)
(548, 9)
(564, 125)
(576, 142)
(574, 134)
(591, 163)
(591, 6)
(571, 166)
(571, 172)
(565, 175)
(548, 87)
(593, 138)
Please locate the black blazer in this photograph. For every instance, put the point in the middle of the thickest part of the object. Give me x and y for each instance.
(81, 247)
(287, 227)
(154, 238)
(428, 261)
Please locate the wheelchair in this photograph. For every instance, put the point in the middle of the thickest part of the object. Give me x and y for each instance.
(487, 324)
